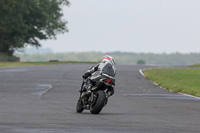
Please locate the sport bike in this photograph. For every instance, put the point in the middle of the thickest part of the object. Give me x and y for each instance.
(98, 97)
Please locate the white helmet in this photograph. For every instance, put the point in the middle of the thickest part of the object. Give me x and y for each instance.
(108, 58)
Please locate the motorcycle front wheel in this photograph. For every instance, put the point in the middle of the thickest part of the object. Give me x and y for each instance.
(99, 103)
(79, 107)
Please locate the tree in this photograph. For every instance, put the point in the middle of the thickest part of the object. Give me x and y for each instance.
(25, 22)
(141, 62)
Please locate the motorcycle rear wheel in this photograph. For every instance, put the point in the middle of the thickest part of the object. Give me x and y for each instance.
(99, 104)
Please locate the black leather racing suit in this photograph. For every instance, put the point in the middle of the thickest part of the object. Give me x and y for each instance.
(95, 73)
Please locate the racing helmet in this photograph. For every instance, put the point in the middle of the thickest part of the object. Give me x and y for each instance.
(108, 58)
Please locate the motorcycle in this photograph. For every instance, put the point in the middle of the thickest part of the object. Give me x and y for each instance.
(98, 97)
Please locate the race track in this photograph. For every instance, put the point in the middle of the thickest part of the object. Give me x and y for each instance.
(42, 99)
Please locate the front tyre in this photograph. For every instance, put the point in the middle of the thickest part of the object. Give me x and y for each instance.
(79, 107)
(99, 104)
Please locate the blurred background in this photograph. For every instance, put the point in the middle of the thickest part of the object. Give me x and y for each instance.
(154, 32)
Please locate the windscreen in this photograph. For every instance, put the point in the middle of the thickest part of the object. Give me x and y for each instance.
(108, 69)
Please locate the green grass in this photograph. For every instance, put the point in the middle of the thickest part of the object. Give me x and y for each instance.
(195, 65)
(176, 80)
(7, 64)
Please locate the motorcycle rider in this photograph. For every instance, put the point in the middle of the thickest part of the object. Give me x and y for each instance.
(95, 74)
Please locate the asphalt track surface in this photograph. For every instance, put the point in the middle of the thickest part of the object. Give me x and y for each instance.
(42, 99)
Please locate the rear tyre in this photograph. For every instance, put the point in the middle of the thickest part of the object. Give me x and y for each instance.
(99, 104)
(79, 107)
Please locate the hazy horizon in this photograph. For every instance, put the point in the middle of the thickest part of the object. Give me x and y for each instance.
(139, 26)
(41, 50)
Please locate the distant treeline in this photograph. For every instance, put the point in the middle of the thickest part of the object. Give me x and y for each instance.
(120, 57)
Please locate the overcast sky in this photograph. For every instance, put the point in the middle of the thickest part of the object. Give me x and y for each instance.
(154, 26)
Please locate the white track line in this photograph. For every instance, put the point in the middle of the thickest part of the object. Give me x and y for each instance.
(141, 72)
(189, 95)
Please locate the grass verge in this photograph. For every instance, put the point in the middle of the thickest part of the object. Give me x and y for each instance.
(195, 65)
(7, 64)
(176, 80)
